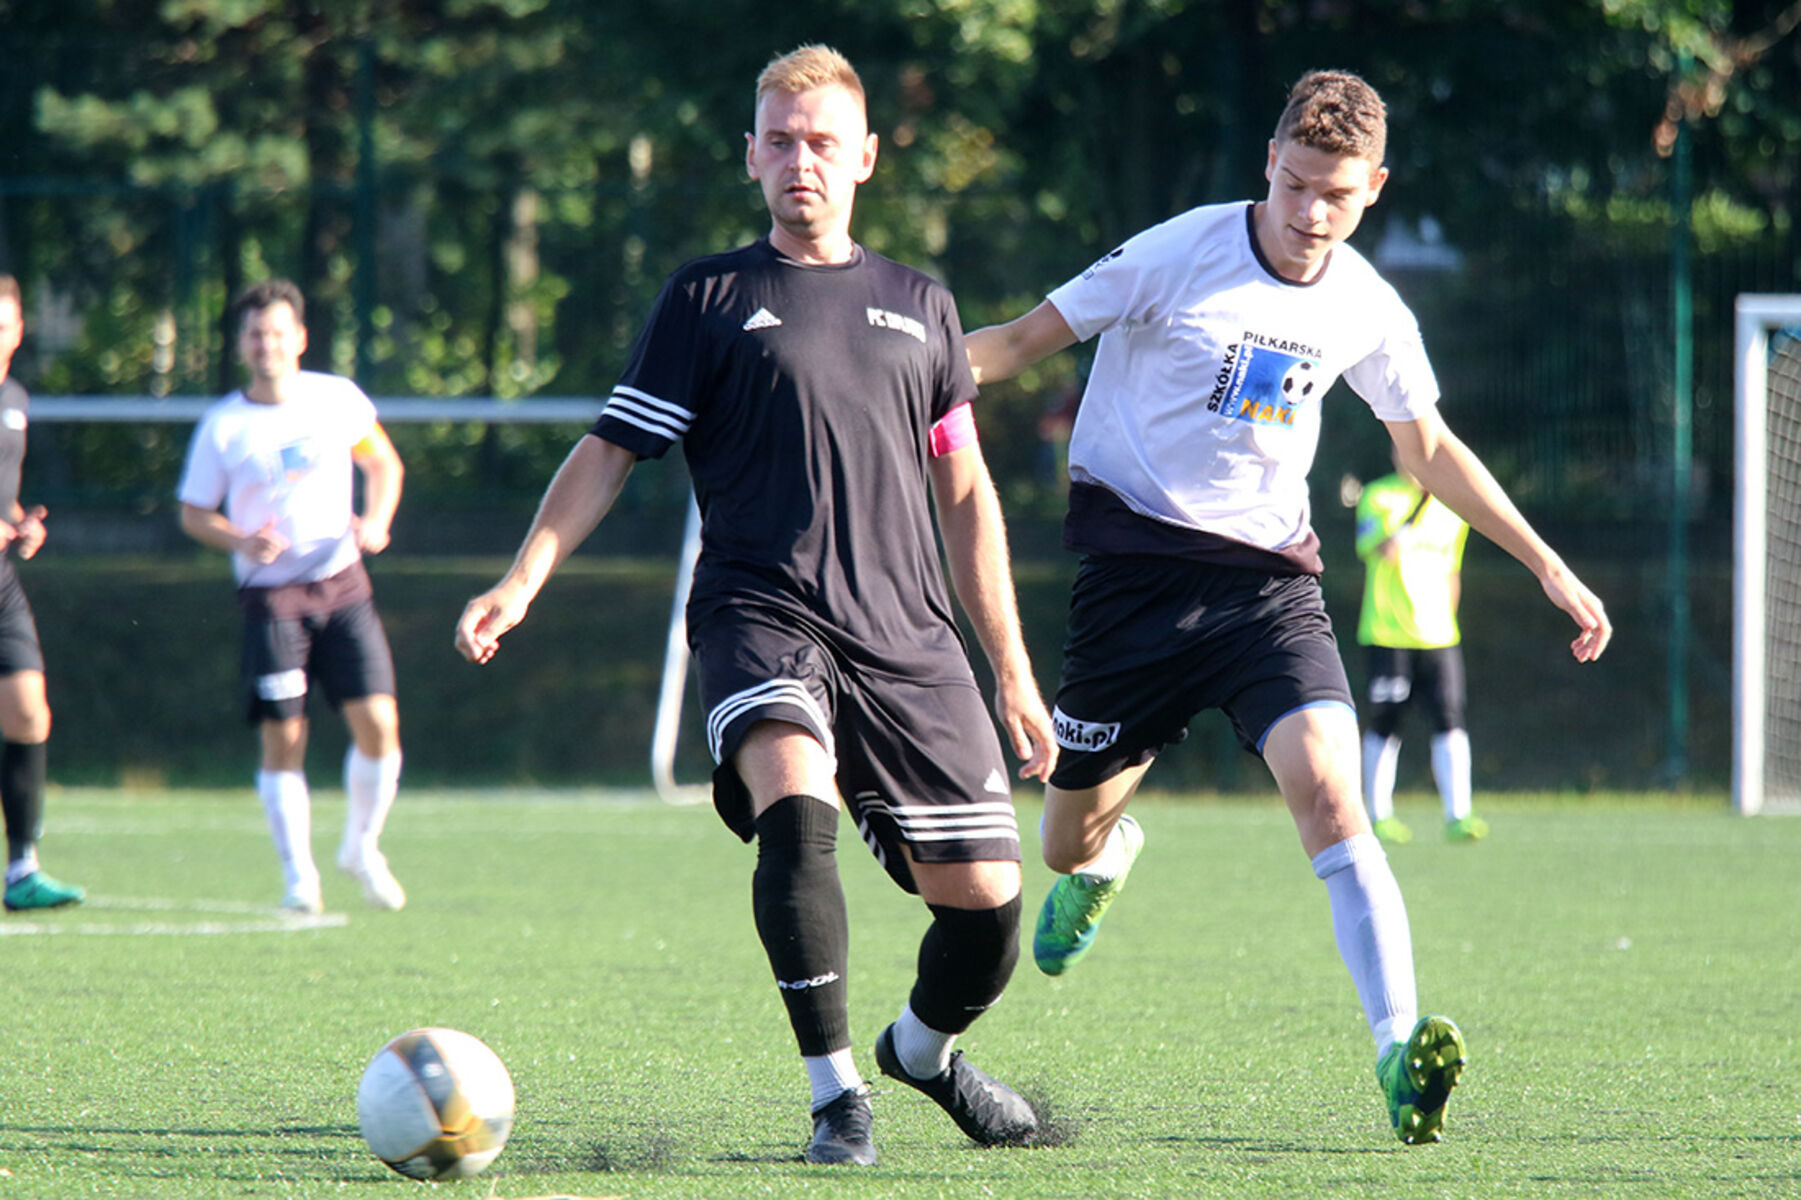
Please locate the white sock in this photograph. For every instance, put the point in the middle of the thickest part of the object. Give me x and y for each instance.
(370, 785)
(20, 867)
(830, 1074)
(1380, 755)
(1451, 768)
(1107, 864)
(1369, 919)
(923, 1051)
(290, 810)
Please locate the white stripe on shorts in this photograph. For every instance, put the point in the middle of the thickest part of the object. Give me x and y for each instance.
(949, 823)
(777, 691)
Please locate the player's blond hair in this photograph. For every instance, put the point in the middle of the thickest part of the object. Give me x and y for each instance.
(807, 67)
(1338, 113)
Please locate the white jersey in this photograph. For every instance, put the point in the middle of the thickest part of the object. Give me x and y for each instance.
(287, 463)
(1202, 410)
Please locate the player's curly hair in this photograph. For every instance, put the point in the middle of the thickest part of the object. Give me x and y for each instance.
(1338, 113)
(259, 296)
(807, 67)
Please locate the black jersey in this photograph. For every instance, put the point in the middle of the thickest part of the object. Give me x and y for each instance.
(804, 398)
(14, 400)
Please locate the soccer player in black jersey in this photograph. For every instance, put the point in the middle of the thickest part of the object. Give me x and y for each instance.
(822, 395)
(24, 708)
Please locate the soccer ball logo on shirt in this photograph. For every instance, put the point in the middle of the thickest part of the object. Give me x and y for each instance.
(1264, 385)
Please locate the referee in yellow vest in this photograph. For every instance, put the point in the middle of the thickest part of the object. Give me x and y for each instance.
(1412, 552)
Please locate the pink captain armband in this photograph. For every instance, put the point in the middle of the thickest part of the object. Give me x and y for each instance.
(955, 430)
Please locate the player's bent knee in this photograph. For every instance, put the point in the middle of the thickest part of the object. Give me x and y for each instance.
(967, 885)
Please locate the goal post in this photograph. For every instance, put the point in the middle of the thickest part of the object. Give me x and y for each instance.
(1766, 577)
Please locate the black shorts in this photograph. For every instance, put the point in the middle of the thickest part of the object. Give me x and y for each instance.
(1399, 676)
(917, 761)
(345, 651)
(19, 648)
(1155, 640)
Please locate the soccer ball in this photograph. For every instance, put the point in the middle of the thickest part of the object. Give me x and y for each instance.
(435, 1104)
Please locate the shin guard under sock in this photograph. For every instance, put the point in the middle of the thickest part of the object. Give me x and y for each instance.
(965, 961)
(801, 918)
(23, 767)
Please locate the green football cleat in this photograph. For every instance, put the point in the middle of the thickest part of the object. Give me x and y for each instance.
(38, 890)
(1390, 830)
(1071, 916)
(1417, 1077)
(1466, 829)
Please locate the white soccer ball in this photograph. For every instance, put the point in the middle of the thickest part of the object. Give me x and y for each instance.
(435, 1104)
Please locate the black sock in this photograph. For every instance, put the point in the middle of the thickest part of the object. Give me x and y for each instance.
(23, 766)
(799, 908)
(965, 961)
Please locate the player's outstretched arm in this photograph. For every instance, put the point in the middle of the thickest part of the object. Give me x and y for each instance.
(581, 494)
(975, 541)
(1450, 470)
(1000, 352)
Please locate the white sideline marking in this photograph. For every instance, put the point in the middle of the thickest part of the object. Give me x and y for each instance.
(252, 918)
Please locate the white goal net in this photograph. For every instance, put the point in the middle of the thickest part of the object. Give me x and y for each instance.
(1766, 651)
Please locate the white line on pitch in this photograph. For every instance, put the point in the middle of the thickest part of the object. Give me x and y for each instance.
(258, 919)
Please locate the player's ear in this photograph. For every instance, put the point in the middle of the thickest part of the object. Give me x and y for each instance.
(750, 154)
(1378, 177)
(1269, 165)
(866, 168)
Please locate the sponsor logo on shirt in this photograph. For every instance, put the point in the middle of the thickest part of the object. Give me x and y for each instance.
(762, 319)
(1266, 380)
(13, 418)
(881, 318)
(1072, 734)
(297, 459)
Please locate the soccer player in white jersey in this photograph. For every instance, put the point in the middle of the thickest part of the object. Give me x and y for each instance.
(1220, 332)
(269, 480)
(821, 396)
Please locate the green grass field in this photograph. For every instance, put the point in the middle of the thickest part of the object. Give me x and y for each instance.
(1626, 971)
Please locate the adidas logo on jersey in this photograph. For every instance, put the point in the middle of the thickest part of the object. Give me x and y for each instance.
(997, 783)
(762, 319)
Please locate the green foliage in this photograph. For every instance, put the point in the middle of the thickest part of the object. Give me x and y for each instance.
(482, 196)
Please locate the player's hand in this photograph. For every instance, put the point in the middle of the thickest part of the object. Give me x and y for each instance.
(372, 537)
(486, 618)
(265, 545)
(29, 532)
(1028, 728)
(1585, 608)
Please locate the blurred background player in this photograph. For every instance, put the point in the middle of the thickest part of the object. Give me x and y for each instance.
(821, 397)
(1412, 552)
(278, 455)
(1199, 582)
(24, 706)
